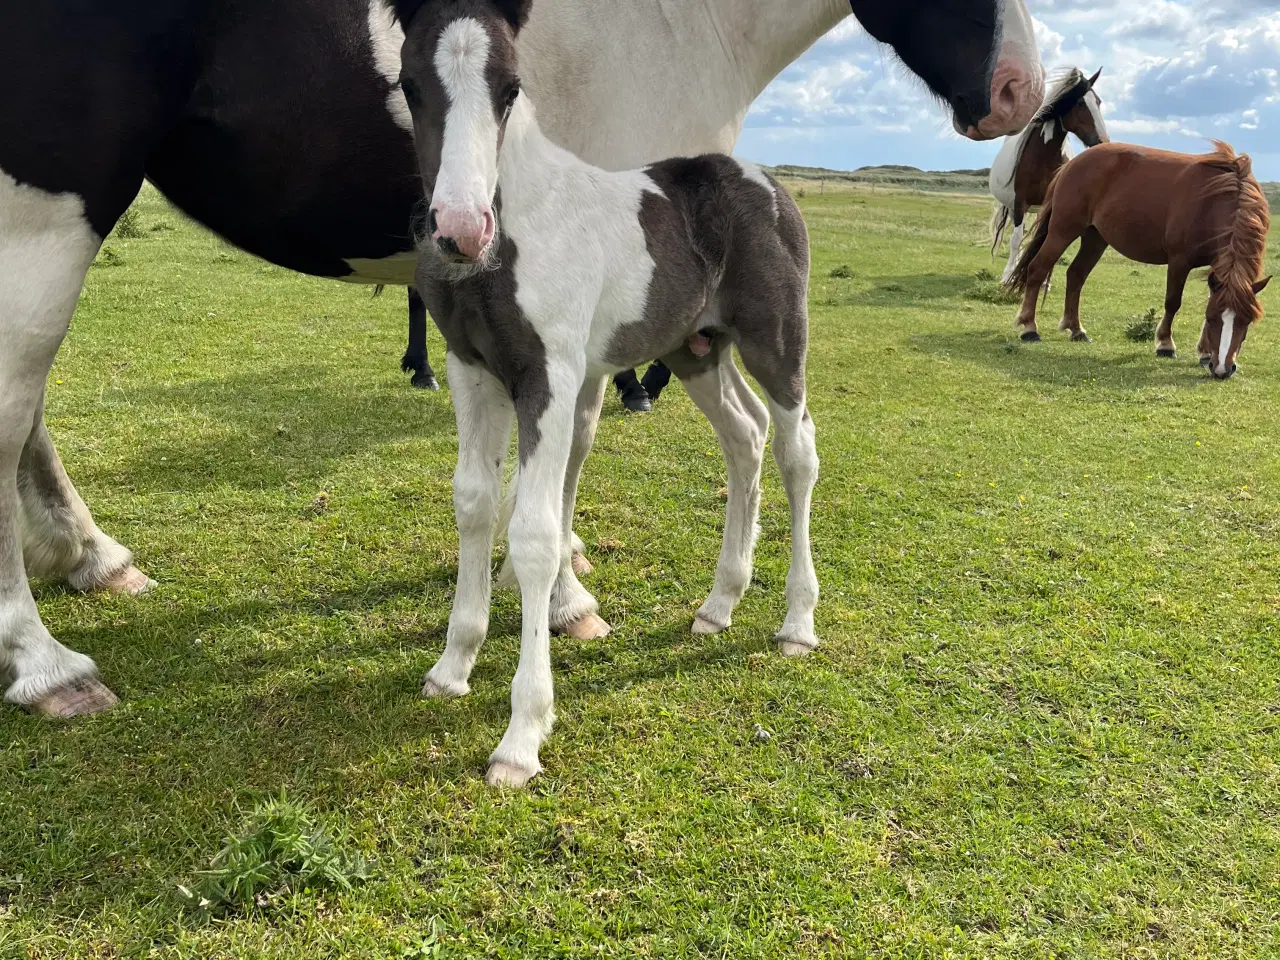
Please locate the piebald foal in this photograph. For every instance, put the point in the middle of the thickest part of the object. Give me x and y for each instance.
(545, 276)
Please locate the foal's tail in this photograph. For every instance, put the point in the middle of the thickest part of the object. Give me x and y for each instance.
(1017, 281)
(999, 220)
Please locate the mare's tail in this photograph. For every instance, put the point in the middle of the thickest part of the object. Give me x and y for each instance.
(999, 220)
(1017, 281)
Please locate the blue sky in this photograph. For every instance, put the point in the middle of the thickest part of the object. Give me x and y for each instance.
(1174, 73)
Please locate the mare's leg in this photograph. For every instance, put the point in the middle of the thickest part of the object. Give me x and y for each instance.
(46, 246)
(59, 537)
(1175, 282)
(546, 437)
(415, 357)
(656, 379)
(1092, 247)
(483, 410)
(1015, 244)
(741, 423)
(574, 611)
(631, 392)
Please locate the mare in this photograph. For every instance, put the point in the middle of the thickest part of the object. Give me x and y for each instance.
(1026, 163)
(1155, 206)
(546, 275)
(618, 107)
(280, 125)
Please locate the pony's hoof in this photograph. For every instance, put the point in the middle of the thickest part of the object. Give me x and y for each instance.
(502, 774)
(586, 627)
(436, 690)
(795, 648)
(76, 699)
(581, 565)
(1029, 336)
(425, 381)
(129, 582)
(702, 626)
(1079, 336)
(1166, 353)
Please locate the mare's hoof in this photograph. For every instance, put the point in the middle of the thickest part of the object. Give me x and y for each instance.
(129, 582)
(586, 627)
(75, 699)
(508, 775)
(796, 648)
(581, 565)
(1079, 336)
(434, 690)
(1166, 353)
(636, 399)
(425, 381)
(1030, 336)
(703, 626)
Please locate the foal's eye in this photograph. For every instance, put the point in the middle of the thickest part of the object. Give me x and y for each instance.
(509, 100)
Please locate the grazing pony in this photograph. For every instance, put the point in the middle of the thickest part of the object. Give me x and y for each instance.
(545, 276)
(1026, 163)
(1156, 207)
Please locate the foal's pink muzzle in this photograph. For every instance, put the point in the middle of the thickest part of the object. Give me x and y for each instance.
(462, 234)
(1017, 90)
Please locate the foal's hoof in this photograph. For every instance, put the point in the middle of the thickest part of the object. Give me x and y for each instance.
(502, 774)
(704, 626)
(435, 690)
(425, 381)
(1079, 336)
(1166, 353)
(129, 582)
(1029, 336)
(581, 565)
(75, 699)
(795, 648)
(586, 627)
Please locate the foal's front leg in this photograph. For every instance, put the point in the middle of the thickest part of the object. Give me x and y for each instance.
(483, 410)
(1175, 283)
(546, 436)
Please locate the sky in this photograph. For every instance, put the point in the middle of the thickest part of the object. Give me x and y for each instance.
(1175, 72)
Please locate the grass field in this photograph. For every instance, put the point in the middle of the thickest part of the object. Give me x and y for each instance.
(1045, 720)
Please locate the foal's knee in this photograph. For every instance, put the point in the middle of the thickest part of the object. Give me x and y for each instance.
(533, 543)
(476, 500)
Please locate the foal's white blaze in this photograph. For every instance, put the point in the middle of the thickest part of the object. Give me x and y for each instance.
(468, 176)
(1095, 111)
(1228, 334)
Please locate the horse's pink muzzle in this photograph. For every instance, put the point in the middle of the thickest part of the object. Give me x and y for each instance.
(462, 234)
(1017, 90)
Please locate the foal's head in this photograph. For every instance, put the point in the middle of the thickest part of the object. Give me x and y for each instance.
(1233, 308)
(458, 73)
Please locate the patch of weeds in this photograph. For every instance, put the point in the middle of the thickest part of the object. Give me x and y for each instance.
(109, 257)
(281, 850)
(800, 194)
(983, 275)
(224, 257)
(1143, 328)
(992, 291)
(1064, 261)
(129, 226)
(162, 226)
(842, 272)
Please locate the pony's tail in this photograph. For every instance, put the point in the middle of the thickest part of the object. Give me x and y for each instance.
(1017, 281)
(999, 220)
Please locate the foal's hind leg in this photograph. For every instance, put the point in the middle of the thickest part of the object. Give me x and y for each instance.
(741, 423)
(1092, 247)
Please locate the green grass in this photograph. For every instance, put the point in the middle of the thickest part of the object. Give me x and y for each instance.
(1045, 720)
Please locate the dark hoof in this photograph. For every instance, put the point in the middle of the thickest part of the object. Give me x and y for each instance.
(1030, 336)
(425, 381)
(636, 399)
(1167, 353)
(1079, 336)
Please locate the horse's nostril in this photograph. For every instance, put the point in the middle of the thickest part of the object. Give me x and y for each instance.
(431, 222)
(448, 246)
(1233, 368)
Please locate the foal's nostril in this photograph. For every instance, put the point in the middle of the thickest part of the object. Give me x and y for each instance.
(432, 226)
(448, 246)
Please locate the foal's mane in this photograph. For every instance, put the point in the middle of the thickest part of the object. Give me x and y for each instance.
(1239, 261)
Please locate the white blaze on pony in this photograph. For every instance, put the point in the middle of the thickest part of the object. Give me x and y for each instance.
(589, 273)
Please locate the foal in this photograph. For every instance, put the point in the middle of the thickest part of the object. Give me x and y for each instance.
(1157, 207)
(1026, 163)
(569, 275)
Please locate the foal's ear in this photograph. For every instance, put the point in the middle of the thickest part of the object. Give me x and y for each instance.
(1261, 285)
(516, 12)
(1094, 78)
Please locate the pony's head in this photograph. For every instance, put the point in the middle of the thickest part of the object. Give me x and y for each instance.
(1233, 308)
(458, 73)
(1079, 110)
(979, 56)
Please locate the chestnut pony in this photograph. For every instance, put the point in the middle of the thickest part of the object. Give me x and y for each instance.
(1155, 206)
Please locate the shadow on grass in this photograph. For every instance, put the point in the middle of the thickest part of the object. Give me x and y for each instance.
(1065, 364)
(906, 290)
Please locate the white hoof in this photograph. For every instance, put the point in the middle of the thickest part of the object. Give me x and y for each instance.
(587, 627)
(795, 648)
(581, 565)
(433, 689)
(129, 582)
(75, 699)
(508, 775)
(703, 626)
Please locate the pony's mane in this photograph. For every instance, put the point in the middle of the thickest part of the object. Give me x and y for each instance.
(1239, 262)
(1069, 87)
